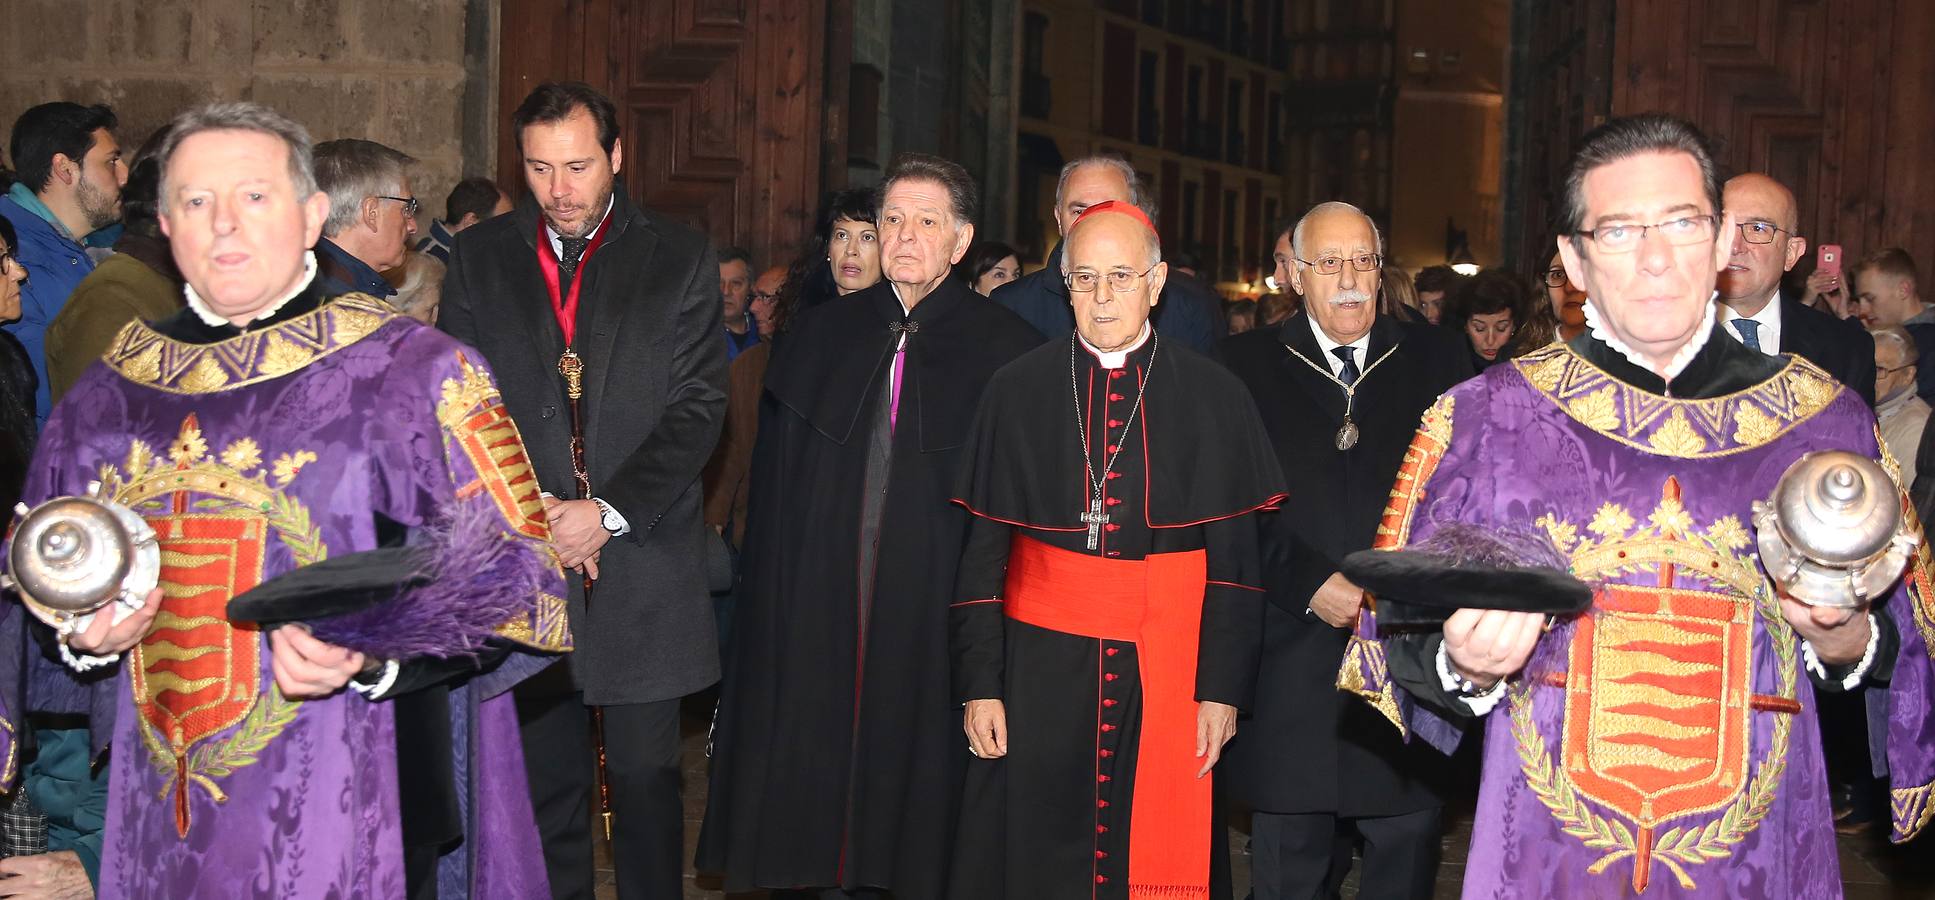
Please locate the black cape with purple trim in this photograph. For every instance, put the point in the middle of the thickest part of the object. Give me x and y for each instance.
(837, 755)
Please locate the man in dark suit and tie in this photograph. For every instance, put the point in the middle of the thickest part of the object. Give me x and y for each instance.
(1751, 304)
(1341, 390)
(584, 278)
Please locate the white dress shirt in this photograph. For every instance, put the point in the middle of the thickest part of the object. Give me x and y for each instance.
(1769, 319)
(1361, 346)
(557, 240)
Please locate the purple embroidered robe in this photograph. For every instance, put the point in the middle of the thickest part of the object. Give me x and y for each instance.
(252, 456)
(1666, 742)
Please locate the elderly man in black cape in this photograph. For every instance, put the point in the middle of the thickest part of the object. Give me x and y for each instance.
(1110, 610)
(836, 764)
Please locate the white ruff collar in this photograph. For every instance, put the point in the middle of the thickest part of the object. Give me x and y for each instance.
(208, 316)
(1680, 360)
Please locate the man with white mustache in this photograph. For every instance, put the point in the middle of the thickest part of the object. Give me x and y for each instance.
(1340, 389)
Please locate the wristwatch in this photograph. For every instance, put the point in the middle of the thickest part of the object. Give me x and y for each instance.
(610, 518)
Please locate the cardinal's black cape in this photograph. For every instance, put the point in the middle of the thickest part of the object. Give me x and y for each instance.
(1209, 457)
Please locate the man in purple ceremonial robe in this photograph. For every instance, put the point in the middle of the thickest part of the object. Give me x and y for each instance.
(265, 428)
(1664, 742)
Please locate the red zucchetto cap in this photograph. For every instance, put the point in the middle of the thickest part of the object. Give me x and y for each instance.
(1121, 207)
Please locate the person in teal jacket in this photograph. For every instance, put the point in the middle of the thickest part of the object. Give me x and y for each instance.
(72, 794)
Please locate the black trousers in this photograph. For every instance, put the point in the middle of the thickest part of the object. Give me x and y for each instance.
(642, 761)
(1293, 856)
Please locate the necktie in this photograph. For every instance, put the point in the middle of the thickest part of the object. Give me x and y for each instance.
(574, 251)
(1349, 356)
(1749, 333)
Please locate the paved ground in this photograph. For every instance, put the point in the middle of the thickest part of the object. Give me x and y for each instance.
(1871, 868)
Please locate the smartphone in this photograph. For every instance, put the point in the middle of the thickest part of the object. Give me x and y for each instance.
(1829, 260)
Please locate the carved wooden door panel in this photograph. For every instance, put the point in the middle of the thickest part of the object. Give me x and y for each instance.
(1831, 97)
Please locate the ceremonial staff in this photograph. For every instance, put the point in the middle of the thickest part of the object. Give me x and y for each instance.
(572, 367)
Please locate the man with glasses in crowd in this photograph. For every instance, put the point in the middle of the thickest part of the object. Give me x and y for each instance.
(1104, 639)
(1752, 308)
(1340, 389)
(1666, 737)
(372, 215)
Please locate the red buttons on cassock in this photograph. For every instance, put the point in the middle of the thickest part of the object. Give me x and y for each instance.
(1101, 804)
(1116, 373)
(1115, 423)
(1115, 553)
(1113, 527)
(1101, 829)
(1110, 651)
(1116, 398)
(1101, 854)
(1107, 753)
(1102, 779)
(1107, 727)
(1114, 475)
(1113, 448)
(1113, 501)
(1109, 703)
(1101, 879)
(1110, 677)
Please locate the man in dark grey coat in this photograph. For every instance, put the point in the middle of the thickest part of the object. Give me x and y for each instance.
(635, 299)
(1188, 312)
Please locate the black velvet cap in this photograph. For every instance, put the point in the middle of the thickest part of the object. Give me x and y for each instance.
(1417, 590)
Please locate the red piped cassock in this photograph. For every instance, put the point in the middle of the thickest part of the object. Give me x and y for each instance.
(1100, 655)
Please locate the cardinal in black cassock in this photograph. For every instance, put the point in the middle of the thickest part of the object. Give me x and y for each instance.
(1107, 625)
(837, 757)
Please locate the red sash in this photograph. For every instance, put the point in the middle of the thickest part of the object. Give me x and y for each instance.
(1158, 604)
(563, 305)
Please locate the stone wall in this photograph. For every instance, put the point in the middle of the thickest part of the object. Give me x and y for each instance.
(392, 71)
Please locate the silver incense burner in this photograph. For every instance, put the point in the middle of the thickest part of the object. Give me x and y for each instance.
(71, 556)
(1833, 533)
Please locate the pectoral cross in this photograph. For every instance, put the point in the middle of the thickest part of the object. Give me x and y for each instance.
(1095, 518)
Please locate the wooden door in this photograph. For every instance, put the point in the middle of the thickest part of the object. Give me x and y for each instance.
(721, 104)
(1831, 97)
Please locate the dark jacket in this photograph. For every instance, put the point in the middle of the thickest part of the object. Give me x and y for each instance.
(1188, 312)
(55, 265)
(655, 397)
(139, 282)
(340, 273)
(1310, 748)
(1840, 346)
(17, 426)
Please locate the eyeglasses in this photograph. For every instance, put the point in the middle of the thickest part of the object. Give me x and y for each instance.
(1555, 277)
(410, 204)
(1760, 232)
(1331, 265)
(1083, 281)
(764, 296)
(1625, 237)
